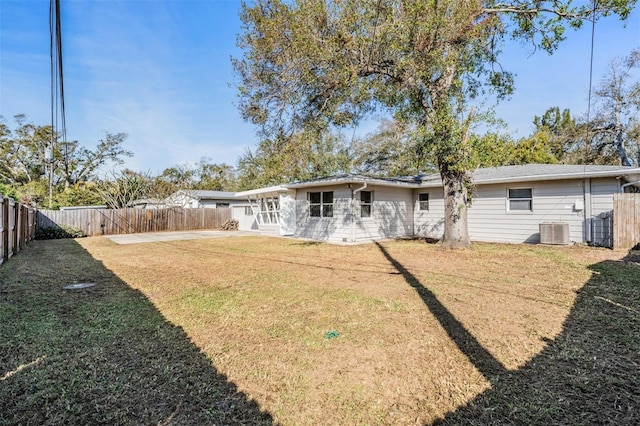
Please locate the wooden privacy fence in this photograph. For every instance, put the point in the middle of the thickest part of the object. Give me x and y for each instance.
(128, 221)
(17, 227)
(626, 221)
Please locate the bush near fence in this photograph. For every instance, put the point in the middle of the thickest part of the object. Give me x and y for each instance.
(17, 227)
(94, 222)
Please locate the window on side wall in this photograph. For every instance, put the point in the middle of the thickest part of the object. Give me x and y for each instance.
(248, 211)
(366, 203)
(520, 199)
(423, 199)
(321, 204)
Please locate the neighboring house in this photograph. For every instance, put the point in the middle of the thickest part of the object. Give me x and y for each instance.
(215, 199)
(147, 203)
(196, 198)
(509, 204)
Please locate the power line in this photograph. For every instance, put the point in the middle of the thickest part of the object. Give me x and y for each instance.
(58, 115)
(593, 36)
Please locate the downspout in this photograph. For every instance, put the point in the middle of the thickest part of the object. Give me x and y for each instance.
(622, 187)
(353, 214)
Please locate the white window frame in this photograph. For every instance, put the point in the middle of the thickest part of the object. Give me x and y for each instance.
(420, 202)
(365, 204)
(324, 206)
(510, 199)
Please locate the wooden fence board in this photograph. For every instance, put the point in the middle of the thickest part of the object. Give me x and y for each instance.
(626, 221)
(127, 221)
(17, 227)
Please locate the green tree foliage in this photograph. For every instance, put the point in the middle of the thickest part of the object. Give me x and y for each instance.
(215, 177)
(615, 126)
(22, 150)
(612, 134)
(391, 150)
(79, 194)
(76, 164)
(491, 150)
(311, 64)
(204, 175)
(24, 168)
(304, 155)
(120, 189)
(7, 191)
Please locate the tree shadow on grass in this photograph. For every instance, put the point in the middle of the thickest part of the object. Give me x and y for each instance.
(100, 355)
(589, 374)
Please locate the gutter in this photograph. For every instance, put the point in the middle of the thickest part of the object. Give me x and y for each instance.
(353, 214)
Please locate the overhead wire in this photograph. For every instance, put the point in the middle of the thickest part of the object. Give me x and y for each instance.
(58, 113)
(588, 123)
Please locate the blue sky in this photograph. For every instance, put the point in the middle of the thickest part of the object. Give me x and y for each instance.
(160, 71)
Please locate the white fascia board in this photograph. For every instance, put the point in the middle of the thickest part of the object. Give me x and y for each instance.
(559, 176)
(345, 181)
(262, 191)
(630, 175)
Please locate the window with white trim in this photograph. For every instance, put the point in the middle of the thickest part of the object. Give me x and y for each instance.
(248, 211)
(321, 204)
(366, 203)
(520, 199)
(423, 200)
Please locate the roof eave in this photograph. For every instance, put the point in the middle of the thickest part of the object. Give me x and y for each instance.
(558, 176)
(353, 180)
(262, 191)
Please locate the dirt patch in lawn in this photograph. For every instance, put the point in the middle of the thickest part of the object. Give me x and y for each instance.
(400, 332)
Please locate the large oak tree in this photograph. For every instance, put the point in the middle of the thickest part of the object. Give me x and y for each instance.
(313, 64)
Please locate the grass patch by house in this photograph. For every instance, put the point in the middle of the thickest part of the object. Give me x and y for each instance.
(391, 333)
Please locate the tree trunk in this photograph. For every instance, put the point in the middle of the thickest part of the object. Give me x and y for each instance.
(456, 200)
(622, 152)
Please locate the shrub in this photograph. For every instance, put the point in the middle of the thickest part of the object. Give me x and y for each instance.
(58, 232)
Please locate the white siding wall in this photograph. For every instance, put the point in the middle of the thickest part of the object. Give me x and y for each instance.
(490, 220)
(245, 222)
(391, 215)
(554, 201)
(602, 191)
(288, 213)
(429, 223)
(324, 228)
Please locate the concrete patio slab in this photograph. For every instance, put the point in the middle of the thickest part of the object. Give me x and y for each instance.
(153, 237)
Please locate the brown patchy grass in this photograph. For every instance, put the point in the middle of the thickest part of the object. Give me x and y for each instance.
(260, 309)
(422, 331)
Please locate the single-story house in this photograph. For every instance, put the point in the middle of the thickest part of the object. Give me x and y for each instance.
(509, 205)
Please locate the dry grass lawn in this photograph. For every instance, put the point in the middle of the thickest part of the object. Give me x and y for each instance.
(399, 332)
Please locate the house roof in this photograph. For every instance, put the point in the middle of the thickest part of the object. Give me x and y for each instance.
(540, 172)
(502, 174)
(407, 182)
(211, 195)
(205, 194)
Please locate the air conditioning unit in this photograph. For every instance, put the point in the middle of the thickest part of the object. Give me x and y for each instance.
(554, 233)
